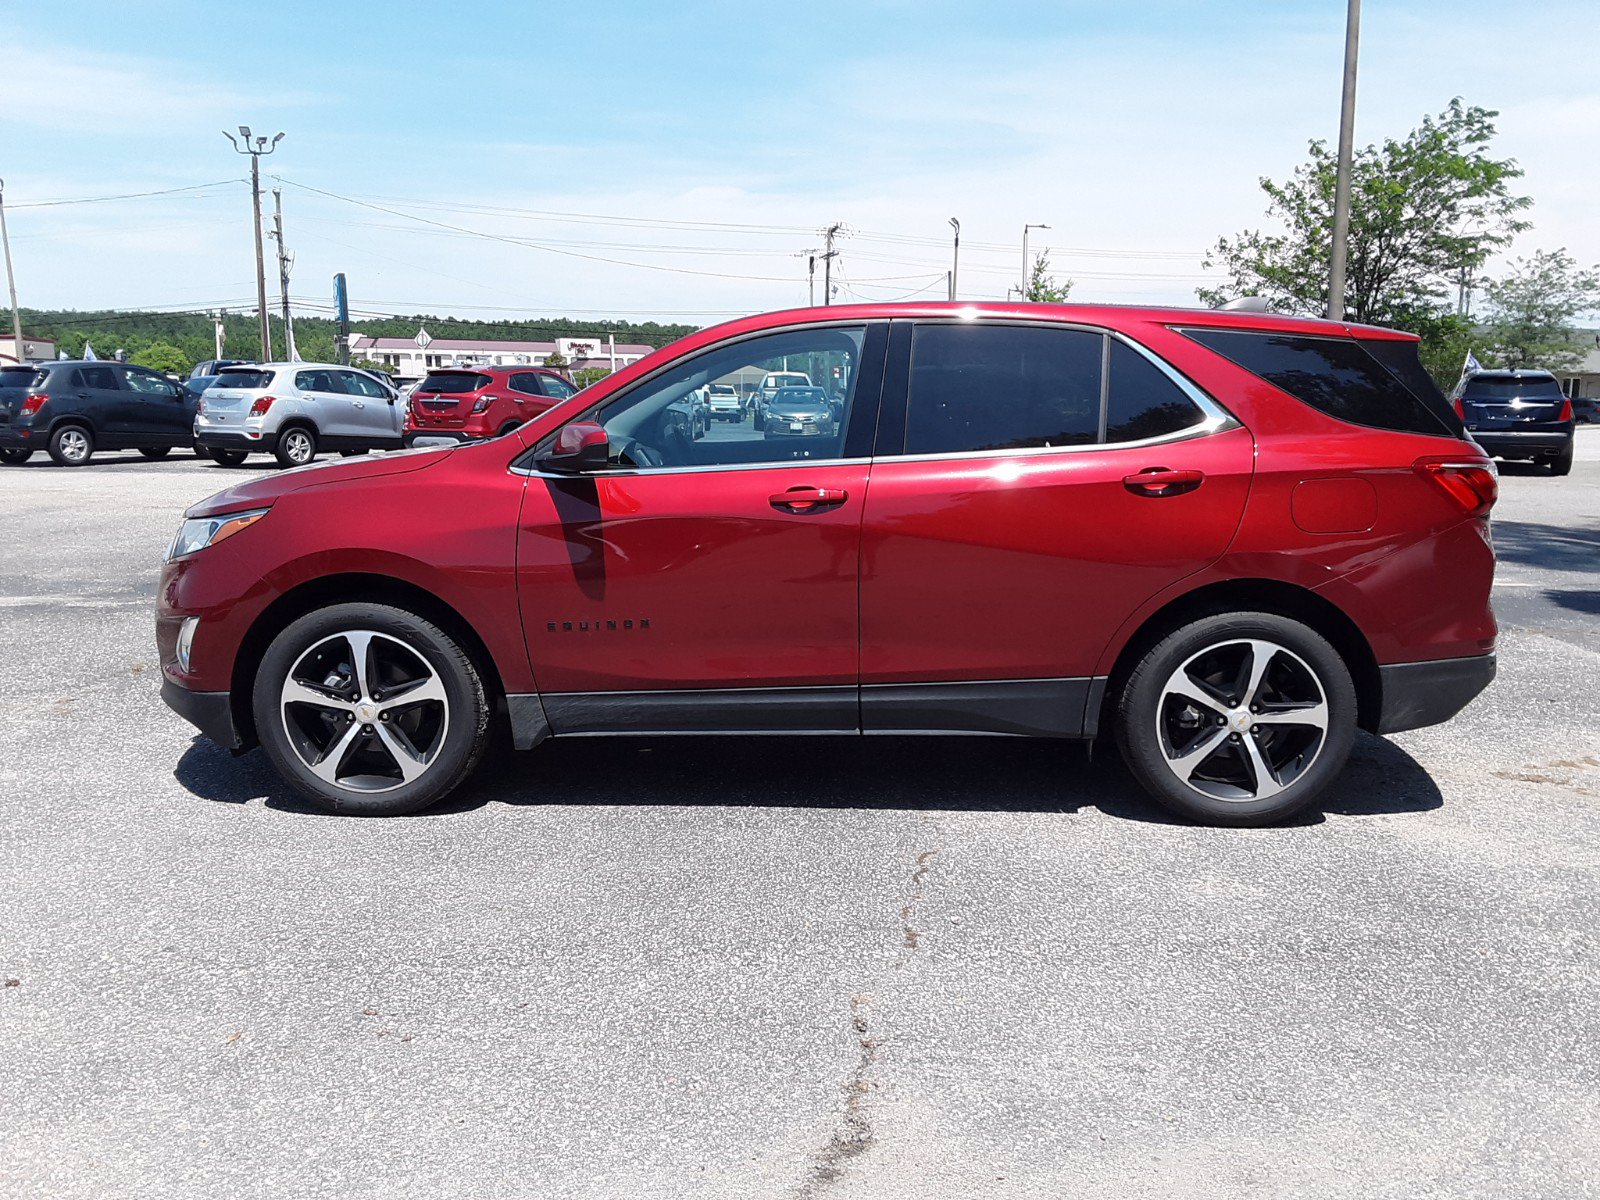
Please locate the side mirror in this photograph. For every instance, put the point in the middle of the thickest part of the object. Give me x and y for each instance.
(581, 446)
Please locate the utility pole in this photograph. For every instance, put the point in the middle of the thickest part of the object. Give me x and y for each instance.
(1341, 190)
(11, 279)
(1027, 267)
(260, 147)
(955, 256)
(828, 234)
(285, 261)
(219, 332)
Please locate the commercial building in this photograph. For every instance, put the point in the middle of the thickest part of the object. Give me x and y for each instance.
(34, 349)
(408, 357)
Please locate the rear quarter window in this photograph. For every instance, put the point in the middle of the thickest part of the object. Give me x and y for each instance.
(1338, 377)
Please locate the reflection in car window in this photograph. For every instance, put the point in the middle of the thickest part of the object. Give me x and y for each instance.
(357, 384)
(1002, 387)
(560, 389)
(664, 422)
(154, 384)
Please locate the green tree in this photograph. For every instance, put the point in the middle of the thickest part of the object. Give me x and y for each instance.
(587, 375)
(1531, 311)
(366, 364)
(1044, 288)
(555, 360)
(164, 356)
(1426, 211)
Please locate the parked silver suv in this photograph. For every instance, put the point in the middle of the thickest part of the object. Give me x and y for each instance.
(294, 411)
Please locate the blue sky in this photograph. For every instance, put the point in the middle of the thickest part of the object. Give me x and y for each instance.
(651, 160)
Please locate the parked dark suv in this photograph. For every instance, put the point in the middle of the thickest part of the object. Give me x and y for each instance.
(1519, 415)
(72, 409)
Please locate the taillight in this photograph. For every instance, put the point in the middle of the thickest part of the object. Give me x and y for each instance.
(483, 402)
(1472, 485)
(1566, 411)
(259, 408)
(1460, 408)
(33, 402)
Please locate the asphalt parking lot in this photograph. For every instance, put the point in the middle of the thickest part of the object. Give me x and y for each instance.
(752, 968)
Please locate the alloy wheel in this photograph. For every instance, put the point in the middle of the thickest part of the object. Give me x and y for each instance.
(297, 446)
(1242, 720)
(74, 446)
(364, 712)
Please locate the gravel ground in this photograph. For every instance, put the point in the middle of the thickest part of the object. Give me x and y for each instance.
(952, 968)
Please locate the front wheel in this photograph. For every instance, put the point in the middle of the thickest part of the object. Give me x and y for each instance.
(154, 452)
(296, 447)
(228, 458)
(15, 457)
(369, 709)
(1238, 719)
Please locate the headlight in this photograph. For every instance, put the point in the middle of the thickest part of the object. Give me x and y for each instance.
(201, 532)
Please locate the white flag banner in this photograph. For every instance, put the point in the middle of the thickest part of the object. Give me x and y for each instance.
(88, 353)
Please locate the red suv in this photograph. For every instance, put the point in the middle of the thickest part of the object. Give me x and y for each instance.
(481, 402)
(1227, 539)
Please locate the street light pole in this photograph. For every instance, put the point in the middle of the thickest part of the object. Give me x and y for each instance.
(955, 256)
(11, 279)
(1341, 188)
(1026, 265)
(260, 147)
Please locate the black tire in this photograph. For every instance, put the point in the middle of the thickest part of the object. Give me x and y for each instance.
(202, 453)
(351, 453)
(15, 458)
(1148, 715)
(297, 447)
(155, 452)
(1561, 464)
(507, 428)
(461, 738)
(227, 458)
(71, 445)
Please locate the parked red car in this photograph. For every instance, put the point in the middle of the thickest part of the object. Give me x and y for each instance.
(481, 402)
(1227, 539)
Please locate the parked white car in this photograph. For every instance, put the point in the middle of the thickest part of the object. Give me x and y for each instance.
(296, 410)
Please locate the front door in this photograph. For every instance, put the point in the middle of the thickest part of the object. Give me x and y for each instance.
(1048, 482)
(165, 415)
(705, 583)
(374, 415)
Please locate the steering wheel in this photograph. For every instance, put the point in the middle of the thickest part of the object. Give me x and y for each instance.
(634, 453)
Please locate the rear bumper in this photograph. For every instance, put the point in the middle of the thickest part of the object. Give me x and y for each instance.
(15, 438)
(209, 712)
(1512, 444)
(218, 440)
(1427, 693)
(454, 435)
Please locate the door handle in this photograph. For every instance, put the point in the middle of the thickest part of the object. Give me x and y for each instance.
(804, 499)
(1160, 481)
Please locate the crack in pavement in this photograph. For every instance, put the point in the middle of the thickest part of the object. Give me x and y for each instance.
(855, 1135)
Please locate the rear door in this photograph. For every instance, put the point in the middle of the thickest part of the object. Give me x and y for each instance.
(706, 584)
(1033, 485)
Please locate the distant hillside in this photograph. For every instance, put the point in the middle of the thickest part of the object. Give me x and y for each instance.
(191, 333)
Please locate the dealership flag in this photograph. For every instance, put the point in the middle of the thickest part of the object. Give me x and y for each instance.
(1471, 366)
(89, 354)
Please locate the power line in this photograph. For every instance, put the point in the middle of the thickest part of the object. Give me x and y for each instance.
(198, 187)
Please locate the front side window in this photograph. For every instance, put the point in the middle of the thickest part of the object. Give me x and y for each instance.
(151, 384)
(557, 389)
(357, 384)
(1002, 387)
(660, 423)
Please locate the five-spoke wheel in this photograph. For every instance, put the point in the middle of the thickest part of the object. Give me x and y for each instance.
(370, 709)
(1238, 719)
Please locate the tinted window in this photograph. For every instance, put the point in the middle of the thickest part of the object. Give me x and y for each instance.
(525, 382)
(98, 377)
(21, 376)
(1335, 376)
(1142, 401)
(453, 383)
(560, 389)
(154, 384)
(318, 381)
(998, 387)
(1536, 388)
(244, 379)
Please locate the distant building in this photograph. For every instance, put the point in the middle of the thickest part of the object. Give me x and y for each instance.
(1584, 379)
(407, 358)
(34, 349)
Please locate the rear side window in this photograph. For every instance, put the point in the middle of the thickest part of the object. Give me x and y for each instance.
(320, 381)
(1142, 402)
(103, 378)
(453, 383)
(244, 379)
(1335, 376)
(525, 382)
(999, 387)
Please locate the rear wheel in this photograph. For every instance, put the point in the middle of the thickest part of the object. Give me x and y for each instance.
(1238, 719)
(15, 457)
(153, 452)
(228, 458)
(1561, 464)
(350, 453)
(201, 452)
(297, 446)
(71, 445)
(369, 709)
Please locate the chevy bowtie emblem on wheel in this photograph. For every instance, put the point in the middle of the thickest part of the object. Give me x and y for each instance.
(602, 626)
